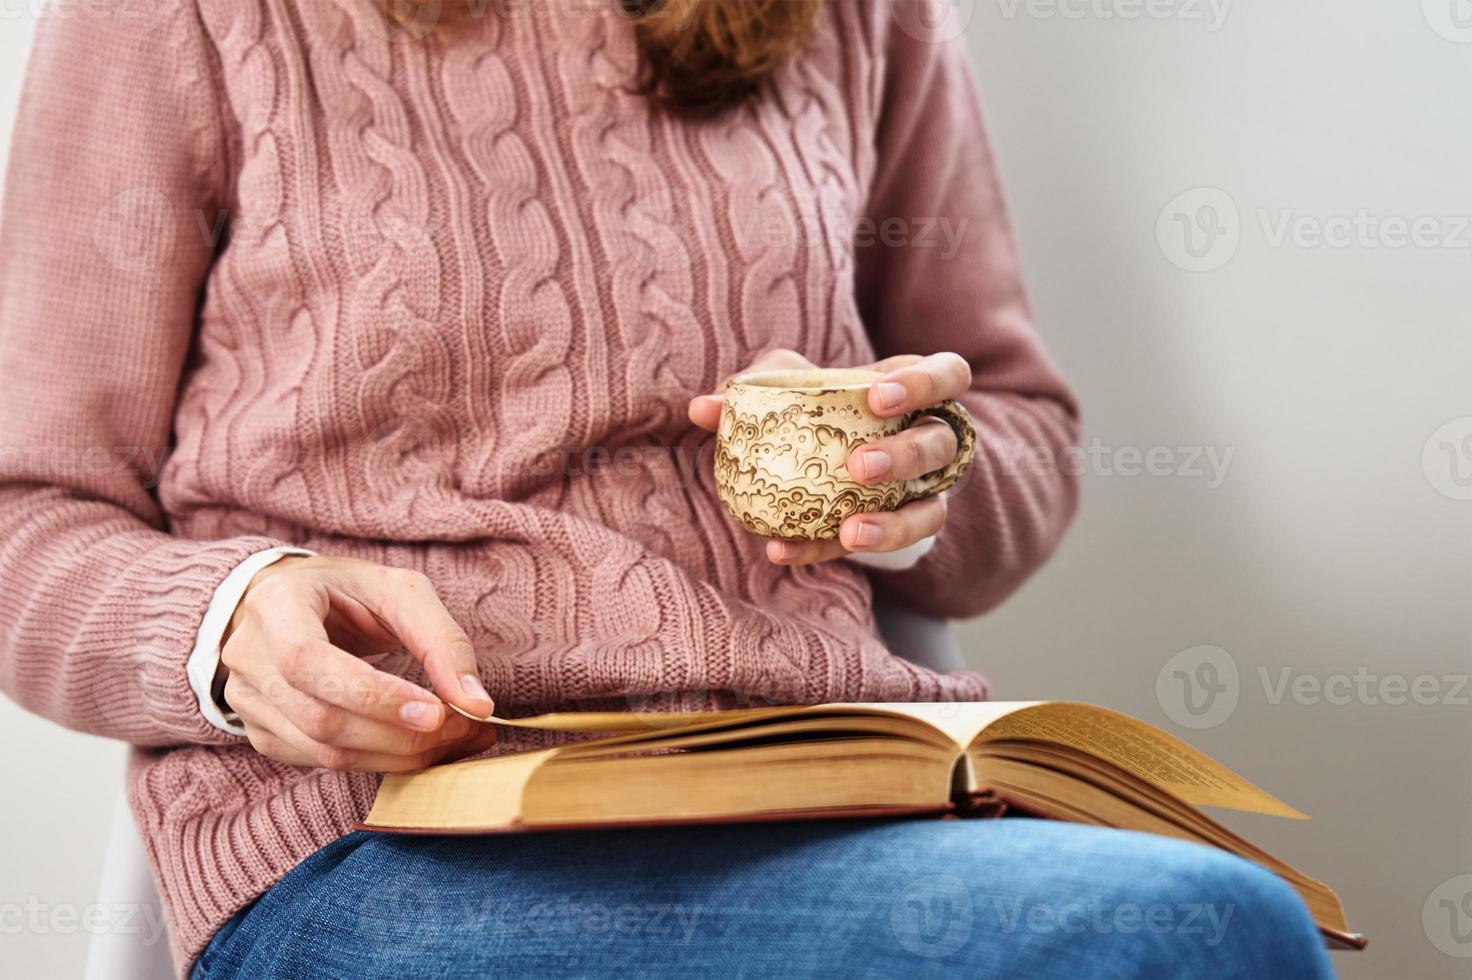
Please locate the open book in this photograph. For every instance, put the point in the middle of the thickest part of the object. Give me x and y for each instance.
(1056, 759)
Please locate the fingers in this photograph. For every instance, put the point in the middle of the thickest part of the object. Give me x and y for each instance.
(910, 383)
(705, 410)
(291, 647)
(407, 603)
(893, 530)
(919, 384)
(327, 724)
(268, 744)
(272, 733)
(803, 552)
(283, 699)
(882, 531)
(306, 701)
(923, 448)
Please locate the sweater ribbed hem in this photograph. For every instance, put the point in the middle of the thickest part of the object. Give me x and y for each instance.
(103, 615)
(155, 610)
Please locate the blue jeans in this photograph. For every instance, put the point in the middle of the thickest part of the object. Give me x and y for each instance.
(914, 898)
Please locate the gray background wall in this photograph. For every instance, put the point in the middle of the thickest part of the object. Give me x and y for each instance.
(1336, 546)
(1300, 338)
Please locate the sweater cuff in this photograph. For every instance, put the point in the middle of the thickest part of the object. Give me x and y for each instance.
(204, 661)
(149, 616)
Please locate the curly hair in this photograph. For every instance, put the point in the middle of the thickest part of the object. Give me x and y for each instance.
(696, 57)
(701, 57)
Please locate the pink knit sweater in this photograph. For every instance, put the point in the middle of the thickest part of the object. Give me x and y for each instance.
(272, 274)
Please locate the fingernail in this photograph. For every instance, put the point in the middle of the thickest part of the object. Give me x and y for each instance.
(779, 551)
(419, 714)
(867, 535)
(891, 394)
(470, 684)
(874, 463)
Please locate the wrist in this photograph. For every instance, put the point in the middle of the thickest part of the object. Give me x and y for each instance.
(270, 571)
(222, 673)
(206, 678)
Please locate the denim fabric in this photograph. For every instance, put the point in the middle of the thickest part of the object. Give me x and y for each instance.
(957, 898)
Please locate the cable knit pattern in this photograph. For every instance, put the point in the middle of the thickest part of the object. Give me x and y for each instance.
(274, 273)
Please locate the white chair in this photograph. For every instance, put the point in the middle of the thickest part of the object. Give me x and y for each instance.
(127, 878)
(922, 640)
(127, 881)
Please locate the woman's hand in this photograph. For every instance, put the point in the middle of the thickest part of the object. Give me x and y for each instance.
(296, 680)
(909, 383)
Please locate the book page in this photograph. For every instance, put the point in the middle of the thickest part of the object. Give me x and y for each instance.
(617, 722)
(1140, 749)
(959, 721)
(484, 792)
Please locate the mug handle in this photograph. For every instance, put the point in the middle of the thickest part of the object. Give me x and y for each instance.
(954, 414)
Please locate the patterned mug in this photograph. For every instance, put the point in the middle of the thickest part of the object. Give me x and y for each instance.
(782, 451)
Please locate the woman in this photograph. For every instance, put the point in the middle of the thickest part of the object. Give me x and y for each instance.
(325, 335)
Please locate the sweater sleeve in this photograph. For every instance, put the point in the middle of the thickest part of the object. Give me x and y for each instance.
(941, 273)
(115, 166)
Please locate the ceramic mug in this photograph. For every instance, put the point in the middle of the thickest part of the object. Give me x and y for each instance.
(782, 451)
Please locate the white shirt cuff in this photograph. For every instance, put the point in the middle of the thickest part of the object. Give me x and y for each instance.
(204, 661)
(893, 561)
